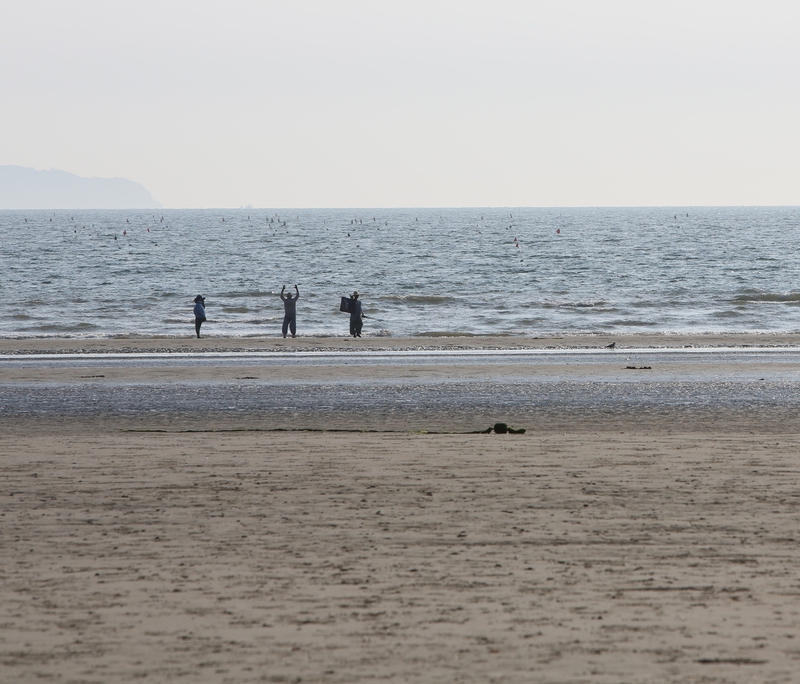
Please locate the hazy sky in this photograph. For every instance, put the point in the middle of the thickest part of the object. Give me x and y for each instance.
(331, 103)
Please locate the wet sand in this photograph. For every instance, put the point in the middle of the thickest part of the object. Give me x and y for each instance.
(601, 546)
(218, 343)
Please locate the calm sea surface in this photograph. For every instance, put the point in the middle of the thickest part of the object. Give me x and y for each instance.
(426, 271)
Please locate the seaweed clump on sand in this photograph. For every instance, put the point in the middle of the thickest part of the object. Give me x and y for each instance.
(502, 429)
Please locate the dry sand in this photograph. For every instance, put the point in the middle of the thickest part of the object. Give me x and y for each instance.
(594, 548)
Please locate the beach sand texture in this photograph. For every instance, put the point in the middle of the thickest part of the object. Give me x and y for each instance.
(250, 556)
(597, 547)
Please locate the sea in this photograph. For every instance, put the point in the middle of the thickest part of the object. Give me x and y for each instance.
(429, 272)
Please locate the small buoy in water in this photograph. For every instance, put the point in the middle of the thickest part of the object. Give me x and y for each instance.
(558, 230)
(124, 232)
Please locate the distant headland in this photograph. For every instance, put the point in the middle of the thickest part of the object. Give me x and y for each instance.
(26, 188)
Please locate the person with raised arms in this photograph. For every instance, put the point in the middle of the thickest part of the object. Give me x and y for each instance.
(290, 311)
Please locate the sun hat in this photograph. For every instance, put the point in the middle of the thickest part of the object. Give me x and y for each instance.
(355, 294)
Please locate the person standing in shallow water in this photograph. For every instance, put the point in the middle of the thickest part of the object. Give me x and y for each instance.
(356, 314)
(290, 311)
(199, 313)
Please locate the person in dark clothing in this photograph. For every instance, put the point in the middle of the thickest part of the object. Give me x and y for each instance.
(199, 313)
(290, 311)
(356, 314)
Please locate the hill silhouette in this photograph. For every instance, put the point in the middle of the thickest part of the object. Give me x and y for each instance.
(26, 188)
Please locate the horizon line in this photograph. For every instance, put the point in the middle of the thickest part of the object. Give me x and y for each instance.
(420, 207)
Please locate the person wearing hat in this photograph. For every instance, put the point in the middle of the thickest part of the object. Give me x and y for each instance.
(199, 313)
(290, 311)
(356, 314)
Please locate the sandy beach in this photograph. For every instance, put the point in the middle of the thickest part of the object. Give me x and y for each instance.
(630, 543)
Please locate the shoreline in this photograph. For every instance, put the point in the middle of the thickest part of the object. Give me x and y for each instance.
(565, 341)
(541, 384)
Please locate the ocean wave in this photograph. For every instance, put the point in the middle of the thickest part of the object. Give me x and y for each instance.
(753, 297)
(237, 294)
(65, 328)
(419, 299)
(631, 323)
(587, 304)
